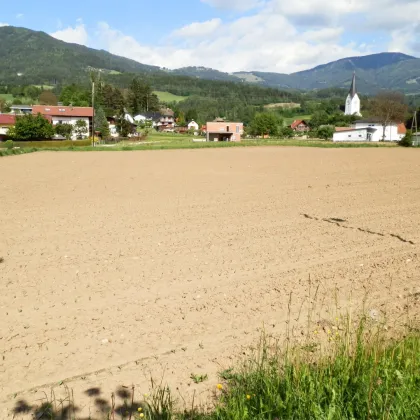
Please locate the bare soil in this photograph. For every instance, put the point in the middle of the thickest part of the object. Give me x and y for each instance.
(122, 265)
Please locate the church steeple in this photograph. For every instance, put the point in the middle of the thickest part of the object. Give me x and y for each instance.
(353, 91)
(353, 101)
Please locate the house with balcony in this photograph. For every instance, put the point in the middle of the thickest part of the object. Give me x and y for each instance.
(220, 130)
(67, 115)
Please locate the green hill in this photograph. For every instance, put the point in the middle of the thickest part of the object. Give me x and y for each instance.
(391, 71)
(31, 57)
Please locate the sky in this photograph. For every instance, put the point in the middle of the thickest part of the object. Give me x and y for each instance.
(229, 35)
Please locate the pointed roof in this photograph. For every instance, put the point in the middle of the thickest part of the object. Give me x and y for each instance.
(353, 91)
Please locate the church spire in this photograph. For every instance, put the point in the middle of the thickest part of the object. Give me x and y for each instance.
(353, 86)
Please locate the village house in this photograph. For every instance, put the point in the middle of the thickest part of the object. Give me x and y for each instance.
(220, 130)
(167, 120)
(67, 115)
(6, 122)
(300, 126)
(192, 125)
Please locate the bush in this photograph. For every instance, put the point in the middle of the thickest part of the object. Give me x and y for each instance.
(28, 127)
(9, 144)
(325, 132)
(407, 140)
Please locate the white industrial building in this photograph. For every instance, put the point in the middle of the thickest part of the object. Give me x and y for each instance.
(370, 130)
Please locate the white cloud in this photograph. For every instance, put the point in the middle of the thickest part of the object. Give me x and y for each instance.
(19, 16)
(3, 24)
(240, 5)
(76, 35)
(198, 29)
(406, 40)
(272, 37)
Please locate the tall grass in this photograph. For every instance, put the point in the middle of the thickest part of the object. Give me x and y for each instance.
(354, 374)
(364, 376)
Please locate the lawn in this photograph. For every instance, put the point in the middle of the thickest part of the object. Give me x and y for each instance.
(289, 120)
(168, 141)
(8, 97)
(169, 97)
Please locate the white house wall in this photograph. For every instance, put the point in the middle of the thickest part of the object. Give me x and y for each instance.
(391, 131)
(356, 135)
(72, 121)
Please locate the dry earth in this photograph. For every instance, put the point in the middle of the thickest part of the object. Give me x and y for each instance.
(118, 265)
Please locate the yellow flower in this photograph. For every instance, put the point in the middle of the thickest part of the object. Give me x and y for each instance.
(141, 415)
(248, 397)
(315, 332)
(219, 386)
(139, 409)
(329, 332)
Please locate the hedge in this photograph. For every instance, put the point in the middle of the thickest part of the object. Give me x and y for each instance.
(53, 143)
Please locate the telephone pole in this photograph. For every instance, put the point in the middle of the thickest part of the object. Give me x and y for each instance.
(93, 108)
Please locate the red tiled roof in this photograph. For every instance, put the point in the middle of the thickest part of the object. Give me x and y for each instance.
(337, 129)
(64, 111)
(7, 119)
(402, 128)
(296, 123)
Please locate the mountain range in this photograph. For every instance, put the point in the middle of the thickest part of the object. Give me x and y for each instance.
(32, 57)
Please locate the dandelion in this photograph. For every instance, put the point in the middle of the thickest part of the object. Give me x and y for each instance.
(248, 397)
(219, 386)
(139, 409)
(141, 415)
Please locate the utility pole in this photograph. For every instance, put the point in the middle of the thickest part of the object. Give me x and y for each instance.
(93, 107)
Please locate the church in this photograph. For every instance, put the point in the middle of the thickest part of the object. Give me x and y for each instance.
(369, 129)
(353, 100)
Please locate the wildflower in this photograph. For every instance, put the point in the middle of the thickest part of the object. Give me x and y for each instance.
(139, 409)
(219, 386)
(141, 415)
(145, 395)
(315, 332)
(328, 331)
(248, 397)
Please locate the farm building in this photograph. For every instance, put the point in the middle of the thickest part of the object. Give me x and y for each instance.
(370, 130)
(220, 130)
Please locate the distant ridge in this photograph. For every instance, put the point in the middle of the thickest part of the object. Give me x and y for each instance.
(33, 57)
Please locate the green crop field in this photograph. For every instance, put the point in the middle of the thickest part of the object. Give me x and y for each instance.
(168, 97)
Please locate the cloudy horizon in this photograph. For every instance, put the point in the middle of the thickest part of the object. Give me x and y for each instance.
(231, 35)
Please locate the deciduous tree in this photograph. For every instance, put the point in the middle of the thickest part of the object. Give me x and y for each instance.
(65, 130)
(47, 98)
(389, 107)
(265, 123)
(31, 127)
(80, 129)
